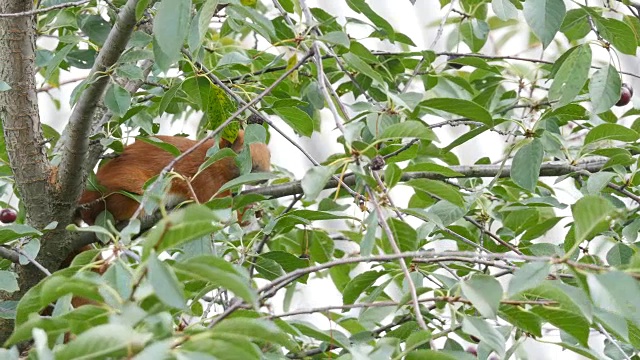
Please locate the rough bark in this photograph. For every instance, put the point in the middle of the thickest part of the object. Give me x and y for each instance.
(19, 112)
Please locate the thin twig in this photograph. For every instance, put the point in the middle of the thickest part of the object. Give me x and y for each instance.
(33, 261)
(44, 10)
(382, 220)
(260, 245)
(449, 299)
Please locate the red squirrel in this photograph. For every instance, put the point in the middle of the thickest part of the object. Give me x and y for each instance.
(141, 161)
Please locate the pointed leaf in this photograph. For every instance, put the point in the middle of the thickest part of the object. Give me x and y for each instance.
(590, 215)
(545, 18)
(528, 276)
(525, 169)
(484, 292)
(571, 76)
(460, 107)
(604, 88)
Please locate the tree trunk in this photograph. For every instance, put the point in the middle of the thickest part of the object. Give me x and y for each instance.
(24, 140)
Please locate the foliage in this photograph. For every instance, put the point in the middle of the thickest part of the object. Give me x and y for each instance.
(487, 254)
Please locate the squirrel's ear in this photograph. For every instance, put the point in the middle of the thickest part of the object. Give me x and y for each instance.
(260, 157)
(237, 145)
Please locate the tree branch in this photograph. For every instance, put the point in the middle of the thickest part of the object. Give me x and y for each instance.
(449, 299)
(71, 170)
(466, 171)
(9, 254)
(43, 10)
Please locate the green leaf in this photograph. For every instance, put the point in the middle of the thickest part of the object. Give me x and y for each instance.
(130, 71)
(576, 24)
(619, 255)
(433, 168)
(299, 120)
(117, 99)
(268, 268)
(53, 65)
(460, 107)
(528, 276)
(361, 7)
(569, 298)
(540, 229)
(617, 33)
(522, 318)
(485, 332)
(327, 336)
(288, 262)
(218, 107)
(604, 88)
(359, 284)
(313, 215)
(103, 341)
(392, 175)
(259, 23)
(170, 27)
(218, 272)
(611, 132)
(545, 18)
(598, 181)
(8, 281)
(439, 189)
(504, 9)
(180, 226)
(571, 76)
(361, 66)
(167, 98)
(246, 179)
(218, 155)
(234, 57)
(321, 247)
(408, 129)
(474, 33)
(15, 231)
(590, 215)
(170, 148)
(337, 38)
(53, 326)
(259, 329)
(617, 292)
(525, 168)
(484, 292)
(165, 283)
(403, 233)
(315, 180)
(200, 24)
(368, 242)
(572, 323)
(435, 355)
(301, 217)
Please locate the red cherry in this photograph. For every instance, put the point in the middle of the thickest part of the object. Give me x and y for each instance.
(8, 216)
(626, 92)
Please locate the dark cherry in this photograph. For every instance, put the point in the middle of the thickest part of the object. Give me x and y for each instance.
(8, 216)
(626, 92)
